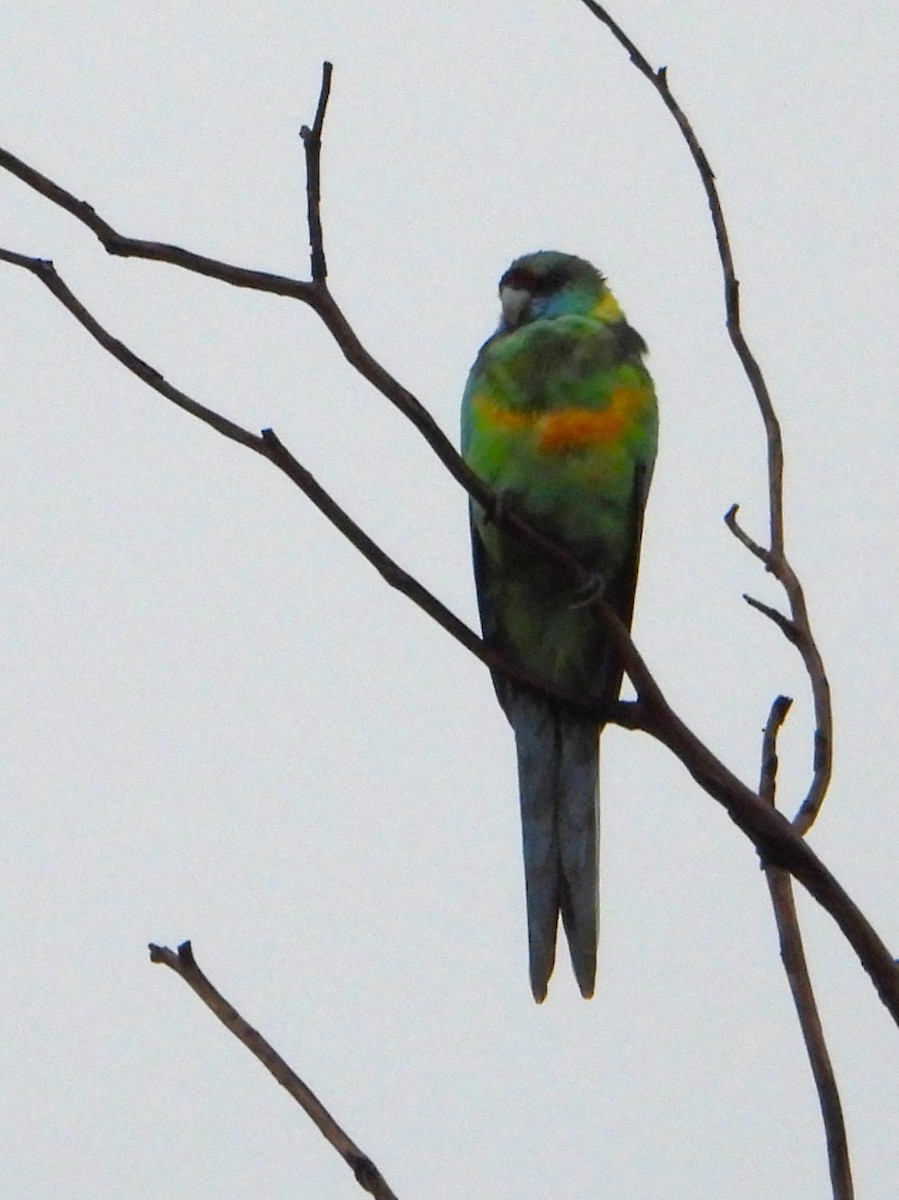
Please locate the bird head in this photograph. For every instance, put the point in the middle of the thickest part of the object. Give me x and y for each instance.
(548, 284)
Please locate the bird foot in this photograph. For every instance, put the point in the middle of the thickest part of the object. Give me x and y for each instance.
(593, 587)
(505, 503)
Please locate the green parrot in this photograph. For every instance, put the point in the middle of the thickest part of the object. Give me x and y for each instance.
(559, 417)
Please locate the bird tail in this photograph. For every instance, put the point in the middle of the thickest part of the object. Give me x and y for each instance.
(558, 777)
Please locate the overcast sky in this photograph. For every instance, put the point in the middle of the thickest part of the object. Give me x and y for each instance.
(219, 723)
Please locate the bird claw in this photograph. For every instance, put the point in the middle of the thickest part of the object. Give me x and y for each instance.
(593, 588)
(505, 503)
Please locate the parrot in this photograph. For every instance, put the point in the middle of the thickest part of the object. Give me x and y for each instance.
(560, 420)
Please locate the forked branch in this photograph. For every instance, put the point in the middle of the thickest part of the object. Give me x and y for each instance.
(798, 628)
(781, 845)
(768, 830)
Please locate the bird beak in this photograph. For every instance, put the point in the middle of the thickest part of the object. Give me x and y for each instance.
(514, 302)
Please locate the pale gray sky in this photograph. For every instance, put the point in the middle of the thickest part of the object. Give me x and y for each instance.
(220, 724)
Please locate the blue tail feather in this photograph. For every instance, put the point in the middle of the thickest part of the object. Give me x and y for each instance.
(558, 761)
(578, 824)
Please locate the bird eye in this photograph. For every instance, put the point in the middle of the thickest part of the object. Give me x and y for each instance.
(552, 281)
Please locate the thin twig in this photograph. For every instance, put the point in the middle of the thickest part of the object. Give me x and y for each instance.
(45, 271)
(730, 520)
(184, 964)
(768, 774)
(120, 246)
(784, 624)
(312, 144)
(792, 955)
(796, 969)
(822, 755)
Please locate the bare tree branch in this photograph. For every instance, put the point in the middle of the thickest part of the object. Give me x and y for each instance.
(784, 624)
(774, 557)
(659, 80)
(781, 846)
(792, 955)
(769, 831)
(796, 628)
(45, 271)
(393, 574)
(184, 964)
(768, 774)
(268, 446)
(315, 294)
(730, 520)
(312, 144)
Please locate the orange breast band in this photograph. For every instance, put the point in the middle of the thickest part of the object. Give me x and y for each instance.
(560, 431)
(577, 428)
